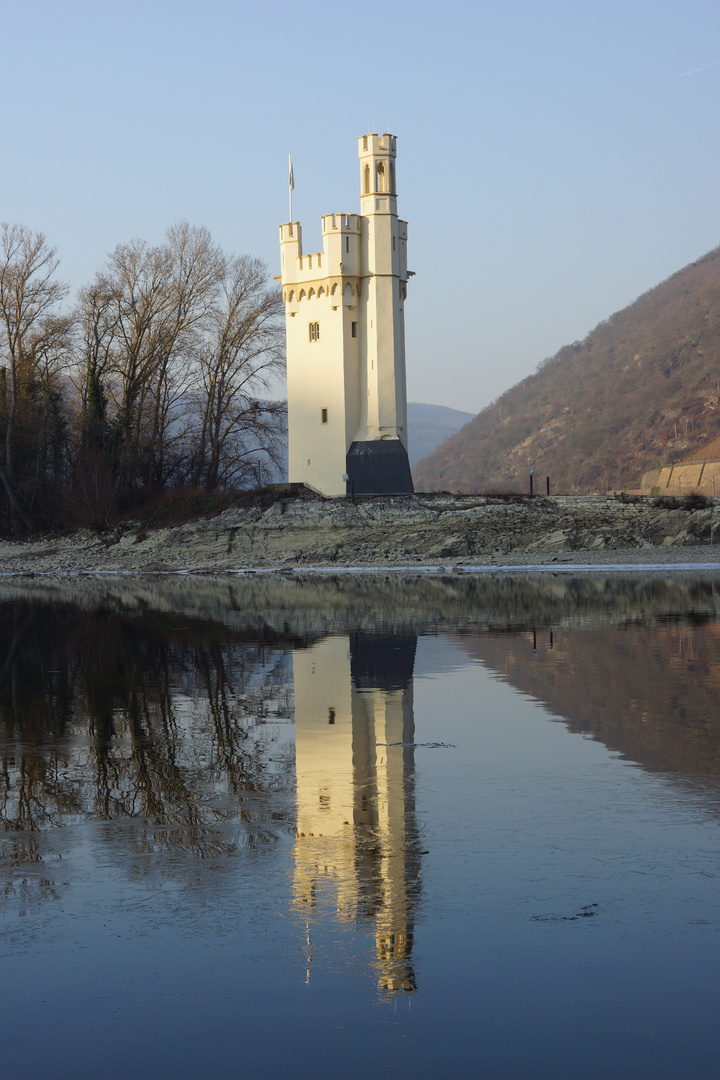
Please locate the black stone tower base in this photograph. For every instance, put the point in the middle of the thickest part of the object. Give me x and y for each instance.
(378, 468)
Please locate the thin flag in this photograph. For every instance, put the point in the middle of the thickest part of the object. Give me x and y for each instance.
(291, 184)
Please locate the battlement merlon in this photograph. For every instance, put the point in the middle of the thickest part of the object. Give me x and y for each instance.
(291, 238)
(384, 145)
(343, 223)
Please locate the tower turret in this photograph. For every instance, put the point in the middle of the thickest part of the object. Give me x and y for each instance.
(378, 194)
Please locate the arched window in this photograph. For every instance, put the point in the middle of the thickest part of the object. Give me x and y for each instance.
(367, 179)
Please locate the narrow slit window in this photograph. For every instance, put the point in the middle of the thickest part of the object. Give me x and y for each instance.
(323, 416)
(353, 329)
(347, 243)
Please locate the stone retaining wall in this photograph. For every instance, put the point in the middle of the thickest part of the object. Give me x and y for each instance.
(702, 477)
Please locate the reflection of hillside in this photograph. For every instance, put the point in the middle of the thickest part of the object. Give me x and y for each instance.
(357, 848)
(649, 693)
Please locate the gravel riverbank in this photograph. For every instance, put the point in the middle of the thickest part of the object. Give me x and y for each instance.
(455, 531)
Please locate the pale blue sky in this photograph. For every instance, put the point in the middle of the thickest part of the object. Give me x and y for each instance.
(552, 165)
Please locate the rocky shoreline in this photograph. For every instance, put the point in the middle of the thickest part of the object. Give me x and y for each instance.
(420, 531)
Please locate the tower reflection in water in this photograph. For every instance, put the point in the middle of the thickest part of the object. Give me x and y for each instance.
(357, 849)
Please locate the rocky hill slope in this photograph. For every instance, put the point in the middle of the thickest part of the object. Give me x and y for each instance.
(642, 390)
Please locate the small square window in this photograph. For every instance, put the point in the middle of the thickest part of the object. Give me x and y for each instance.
(323, 416)
(353, 329)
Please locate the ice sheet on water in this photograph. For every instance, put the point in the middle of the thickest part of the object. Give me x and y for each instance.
(421, 745)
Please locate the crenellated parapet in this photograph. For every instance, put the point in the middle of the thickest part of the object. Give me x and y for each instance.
(340, 255)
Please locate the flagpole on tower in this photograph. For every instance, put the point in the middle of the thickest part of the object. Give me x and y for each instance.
(291, 184)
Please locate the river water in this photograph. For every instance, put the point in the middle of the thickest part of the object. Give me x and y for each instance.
(320, 827)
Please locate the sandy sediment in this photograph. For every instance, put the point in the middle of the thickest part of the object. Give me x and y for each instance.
(391, 532)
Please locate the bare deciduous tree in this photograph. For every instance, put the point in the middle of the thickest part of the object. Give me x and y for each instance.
(34, 340)
(239, 355)
(140, 317)
(178, 341)
(170, 348)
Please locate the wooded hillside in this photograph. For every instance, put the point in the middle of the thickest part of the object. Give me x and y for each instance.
(641, 390)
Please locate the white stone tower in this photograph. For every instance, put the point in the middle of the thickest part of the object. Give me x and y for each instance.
(344, 305)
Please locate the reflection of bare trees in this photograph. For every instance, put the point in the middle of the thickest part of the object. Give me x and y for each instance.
(124, 716)
(34, 791)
